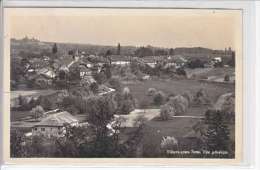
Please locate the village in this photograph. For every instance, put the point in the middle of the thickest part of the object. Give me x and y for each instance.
(138, 101)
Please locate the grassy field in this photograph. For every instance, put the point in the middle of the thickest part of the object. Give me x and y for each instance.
(18, 115)
(17, 93)
(139, 90)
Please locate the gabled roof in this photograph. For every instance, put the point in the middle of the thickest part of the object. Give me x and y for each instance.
(57, 119)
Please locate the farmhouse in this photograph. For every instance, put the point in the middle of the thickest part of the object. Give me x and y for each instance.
(120, 60)
(53, 124)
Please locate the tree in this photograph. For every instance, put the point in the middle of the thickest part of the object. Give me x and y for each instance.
(171, 51)
(115, 83)
(94, 87)
(54, 48)
(46, 103)
(179, 103)
(16, 141)
(22, 100)
(100, 110)
(107, 70)
(217, 136)
(100, 77)
(159, 98)
(166, 111)
(118, 49)
(151, 92)
(226, 78)
(196, 63)
(144, 51)
(37, 112)
(169, 143)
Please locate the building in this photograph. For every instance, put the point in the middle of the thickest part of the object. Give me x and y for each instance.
(53, 124)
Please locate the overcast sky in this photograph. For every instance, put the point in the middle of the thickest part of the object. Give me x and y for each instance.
(217, 29)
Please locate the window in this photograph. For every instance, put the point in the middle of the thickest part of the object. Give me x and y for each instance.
(42, 129)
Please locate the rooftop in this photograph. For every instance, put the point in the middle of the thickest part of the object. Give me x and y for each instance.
(57, 119)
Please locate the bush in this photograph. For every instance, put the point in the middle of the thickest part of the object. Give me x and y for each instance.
(166, 111)
(159, 98)
(226, 78)
(201, 97)
(94, 87)
(151, 91)
(179, 103)
(37, 112)
(169, 143)
(115, 83)
(188, 96)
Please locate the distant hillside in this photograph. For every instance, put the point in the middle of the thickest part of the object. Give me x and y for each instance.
(36, 48)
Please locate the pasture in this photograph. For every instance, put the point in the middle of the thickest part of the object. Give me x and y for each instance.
(214, 90)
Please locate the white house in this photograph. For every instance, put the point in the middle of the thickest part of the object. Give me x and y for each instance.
(53, 124)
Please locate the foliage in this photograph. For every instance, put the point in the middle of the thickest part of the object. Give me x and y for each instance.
(166, 111)
(118, 49)
(54, 48)
(46, 103)
(181, 71)
(37, 112)
(115, 83)
(179, 103)
(16, 143)
(144, 51)
(169, 143)
(94, 87)
(188, 95)
(217, 136)
(151, 92)
(226, 78)
(201, 97)
(171, 51)
(100, 77)
(100, 110)
(124, 101)
(159, 98)
(197, 63)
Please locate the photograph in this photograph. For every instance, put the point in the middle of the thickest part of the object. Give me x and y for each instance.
(124, 83)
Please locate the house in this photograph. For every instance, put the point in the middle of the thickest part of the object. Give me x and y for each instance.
(38, 63)
(43, 81)
(53, 125)
(47, 72)
(120, 60)
(216, 60)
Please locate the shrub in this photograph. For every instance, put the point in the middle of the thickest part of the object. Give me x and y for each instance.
(166, 111)
(169, 143)
(94, 87)
(115, 83)
(188, 96)
(159, 98)
(37, 112)
(201, 97)
(179, 103)
(151, 91)
(226, 78)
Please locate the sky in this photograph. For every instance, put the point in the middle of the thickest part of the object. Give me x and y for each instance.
(171, 28)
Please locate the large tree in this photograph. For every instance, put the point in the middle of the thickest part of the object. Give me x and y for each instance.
(100, 110)
(217, 136)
